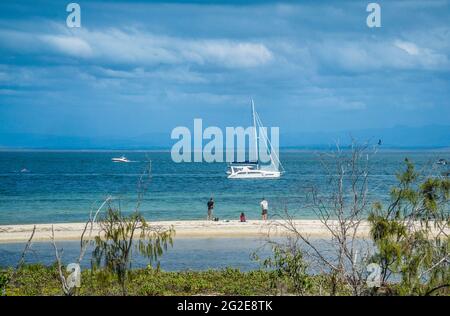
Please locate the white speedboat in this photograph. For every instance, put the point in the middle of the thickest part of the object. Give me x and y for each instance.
(255, 169)
(120, 159)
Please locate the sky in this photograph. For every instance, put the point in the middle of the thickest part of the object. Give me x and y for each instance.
(140, 67)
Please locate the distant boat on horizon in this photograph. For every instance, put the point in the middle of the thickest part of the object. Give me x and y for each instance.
(121, 159)
(253, 169)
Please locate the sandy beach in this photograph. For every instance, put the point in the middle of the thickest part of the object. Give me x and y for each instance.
(193, 228)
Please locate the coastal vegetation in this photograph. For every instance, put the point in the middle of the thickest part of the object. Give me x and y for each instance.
(120, 235)
(32, 280)
(407, 252)
(411, 234)
(117, 238)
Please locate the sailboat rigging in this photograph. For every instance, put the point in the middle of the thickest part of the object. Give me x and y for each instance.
(256, 169)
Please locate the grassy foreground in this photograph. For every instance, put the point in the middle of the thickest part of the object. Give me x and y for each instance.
(40, 280)
(32, 280)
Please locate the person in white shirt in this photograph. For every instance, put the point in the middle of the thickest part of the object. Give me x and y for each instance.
(264, 208)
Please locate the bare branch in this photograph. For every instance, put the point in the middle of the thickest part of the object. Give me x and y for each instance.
(25, 250)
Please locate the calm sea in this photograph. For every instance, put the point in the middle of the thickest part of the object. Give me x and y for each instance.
(64, 186)
(186, 254)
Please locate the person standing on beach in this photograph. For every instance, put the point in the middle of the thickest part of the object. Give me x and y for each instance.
(210, 209)
(264, 208)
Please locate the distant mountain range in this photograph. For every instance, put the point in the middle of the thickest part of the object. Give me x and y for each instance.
(432, 136)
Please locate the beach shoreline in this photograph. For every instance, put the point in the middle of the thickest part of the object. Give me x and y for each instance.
(186, 228)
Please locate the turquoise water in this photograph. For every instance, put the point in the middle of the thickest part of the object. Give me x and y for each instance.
(64, 186)
(186, 254)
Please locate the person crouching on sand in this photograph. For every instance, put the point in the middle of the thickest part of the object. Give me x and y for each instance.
(210, 205)
(264, 208)
(242, 218)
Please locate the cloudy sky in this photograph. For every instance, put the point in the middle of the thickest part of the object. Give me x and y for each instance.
(140, 67)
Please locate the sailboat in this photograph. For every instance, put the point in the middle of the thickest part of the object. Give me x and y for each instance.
(256, 169)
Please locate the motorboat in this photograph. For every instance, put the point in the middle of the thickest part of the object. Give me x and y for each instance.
(120, 159)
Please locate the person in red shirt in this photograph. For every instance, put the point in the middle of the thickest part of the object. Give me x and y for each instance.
(242, 217)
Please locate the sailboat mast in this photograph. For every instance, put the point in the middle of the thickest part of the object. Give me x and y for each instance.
(255, 131)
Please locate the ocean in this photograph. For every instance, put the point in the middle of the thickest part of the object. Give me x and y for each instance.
(63, 186)
(196, 254)
(186, 254)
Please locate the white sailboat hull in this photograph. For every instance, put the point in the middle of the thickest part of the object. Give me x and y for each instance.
(255, 174)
